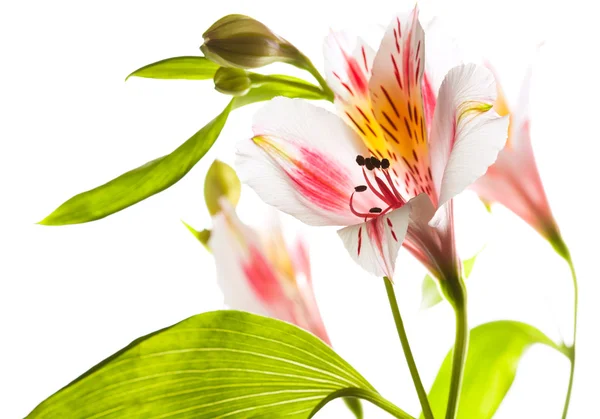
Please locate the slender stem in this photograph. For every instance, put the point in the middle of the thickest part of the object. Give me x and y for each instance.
(307, 65)
(412, 366)
(289, 81)
(459, 356)
(328, 92)
(571, 348)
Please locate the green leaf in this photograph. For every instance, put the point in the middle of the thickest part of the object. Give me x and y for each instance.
(430, 293)
(202, 236)
(223, 364)
(221, 182)
(141, 183)
(183, 68)
(468, 264)
(493, 357)
(355, 406)
(159, 174)
(487, 204)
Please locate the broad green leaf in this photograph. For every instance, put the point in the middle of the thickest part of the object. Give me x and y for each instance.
(223, 364)
(493, 357)
(430, 293)
(221, 181)
(159, 174)
(202, 236)
(185, 68)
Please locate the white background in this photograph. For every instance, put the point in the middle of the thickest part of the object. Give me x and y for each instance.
(71, 296)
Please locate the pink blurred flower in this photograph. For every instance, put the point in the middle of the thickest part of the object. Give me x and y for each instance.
(404, 144)
(259, 272)
(514, 180)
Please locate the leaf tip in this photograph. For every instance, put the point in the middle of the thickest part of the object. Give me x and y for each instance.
(47, 221)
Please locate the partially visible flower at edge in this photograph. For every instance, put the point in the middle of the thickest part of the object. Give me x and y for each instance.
(259, 272)
(390, 166)
(514, 180)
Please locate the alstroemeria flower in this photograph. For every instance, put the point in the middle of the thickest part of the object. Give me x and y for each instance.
(398, 152)
(259, 272)
(514, 180)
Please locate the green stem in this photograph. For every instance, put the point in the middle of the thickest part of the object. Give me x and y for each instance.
(571, 352)
(258, 79)
(412, 366)
(459, 356)
(307, 65)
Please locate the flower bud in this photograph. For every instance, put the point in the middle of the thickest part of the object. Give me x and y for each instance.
(232, 81)
(221, 182)
(242, 42)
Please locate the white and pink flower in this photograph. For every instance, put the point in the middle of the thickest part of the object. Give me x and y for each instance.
(514, 180)
(259, 272)
(404, 144)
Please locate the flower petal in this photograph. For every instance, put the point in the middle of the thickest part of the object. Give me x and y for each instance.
(434, 246)
(303, 162)
(374, 244)
(442, 53)
(467, 133)
(230, 242)
(397, 99)
(254, 276)
(348, 65)
(514, 181)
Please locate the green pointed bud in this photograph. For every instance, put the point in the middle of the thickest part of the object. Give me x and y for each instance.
(221, 182)
(242, 42)
(232, 81)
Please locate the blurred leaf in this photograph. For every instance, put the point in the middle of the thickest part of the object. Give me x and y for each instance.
(487, 204)
(183, 68)
(214, 365)
(355, 406)
(468, 264)
(157, 175)
(430, 293)
(221, 182)
(495, 350)
(202, 236)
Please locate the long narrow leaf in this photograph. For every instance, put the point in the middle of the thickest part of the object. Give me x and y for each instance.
(159, 174)
(184, 68)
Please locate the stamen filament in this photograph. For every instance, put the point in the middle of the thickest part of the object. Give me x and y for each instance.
(371, 187)
(360, 214)
(391, 183)
(390, 198)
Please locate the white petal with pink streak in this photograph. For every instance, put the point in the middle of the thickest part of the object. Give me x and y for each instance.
(374, 244)
(302, 161)
(348, 64)
(466, 136)
(227, 241)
